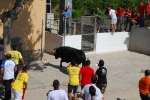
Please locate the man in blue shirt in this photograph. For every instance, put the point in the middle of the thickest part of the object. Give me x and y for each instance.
(66, 15)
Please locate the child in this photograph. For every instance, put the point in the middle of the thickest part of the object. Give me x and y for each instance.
(92, 92)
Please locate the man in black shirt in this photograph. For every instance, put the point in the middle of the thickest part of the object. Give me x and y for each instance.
(101, 72)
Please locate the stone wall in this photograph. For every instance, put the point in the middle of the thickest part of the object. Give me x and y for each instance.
(32, 55)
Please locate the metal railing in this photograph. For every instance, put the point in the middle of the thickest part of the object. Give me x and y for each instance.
(85, 25)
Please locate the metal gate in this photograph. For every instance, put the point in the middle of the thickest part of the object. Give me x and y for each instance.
(88, 33)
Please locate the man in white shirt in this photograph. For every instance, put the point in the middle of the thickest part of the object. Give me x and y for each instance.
(8, 68)
(112, 14)
(57, 94)
(85, 91)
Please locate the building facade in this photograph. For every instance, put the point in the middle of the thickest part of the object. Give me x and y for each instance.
(28, 27)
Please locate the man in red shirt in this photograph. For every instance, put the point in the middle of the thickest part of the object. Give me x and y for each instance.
(120, 11)
(86, 73)
(147, 14)
(134, 20)
(141, 8)
(127, 15)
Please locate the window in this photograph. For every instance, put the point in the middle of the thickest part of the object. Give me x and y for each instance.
(48, 4)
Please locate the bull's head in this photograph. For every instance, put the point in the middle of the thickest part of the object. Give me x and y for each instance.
(53, 52)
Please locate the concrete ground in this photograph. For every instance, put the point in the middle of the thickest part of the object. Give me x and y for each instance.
(124, 71)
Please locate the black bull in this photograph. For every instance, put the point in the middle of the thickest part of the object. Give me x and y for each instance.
(67, 54)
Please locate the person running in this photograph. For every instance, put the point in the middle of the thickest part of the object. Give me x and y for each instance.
(144, 86)
(8, 68)
(98, 15)
(141, 9)
(112, 14)
(20, 84)
(16, 56)
(57, 94)
(101, 72)
(85, 94)
(86, 73)
(73, 71)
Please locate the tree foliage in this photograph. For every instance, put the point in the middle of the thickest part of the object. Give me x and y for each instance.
(87, 6)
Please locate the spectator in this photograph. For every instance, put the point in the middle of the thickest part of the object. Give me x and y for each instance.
(134, 21)
(85, 94)
(98, 15)
(101, 72)
(8, 68)
(16, 56)
(20, 84)
(147, 14)
(141, 12)
(1, 51)
(127, 15)
(57, 94)
(66, 15)
(120, 12)
(86, 73)
(92, 92)
(133, 12)
(112, 14)
(144, 86)
(73, 71)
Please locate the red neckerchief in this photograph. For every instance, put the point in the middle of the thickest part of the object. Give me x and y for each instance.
(24, 72)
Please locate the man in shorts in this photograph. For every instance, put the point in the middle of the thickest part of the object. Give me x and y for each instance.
(98, 15)
(16, 56)
(20, 84)
(147, 14)
(101, 72)
(112, 14)
(73, 71)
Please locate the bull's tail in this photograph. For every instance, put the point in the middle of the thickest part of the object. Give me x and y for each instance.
(83, 59)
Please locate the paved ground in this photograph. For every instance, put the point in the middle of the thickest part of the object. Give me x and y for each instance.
(124, 72)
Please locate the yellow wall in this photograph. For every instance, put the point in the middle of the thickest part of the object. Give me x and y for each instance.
(29, 24)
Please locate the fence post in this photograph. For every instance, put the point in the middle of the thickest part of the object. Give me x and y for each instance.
(64, 35)
(82, 25)
(95, 34)
(57, 26)
(74, 28)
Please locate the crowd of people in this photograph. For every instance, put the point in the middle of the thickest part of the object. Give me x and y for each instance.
(93, 85)
(14, 80)
(123, 17)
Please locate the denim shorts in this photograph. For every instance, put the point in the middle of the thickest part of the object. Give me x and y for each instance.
(74, 88)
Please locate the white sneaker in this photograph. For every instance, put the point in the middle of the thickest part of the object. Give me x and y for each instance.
(148, 27)
(134, 26)
(112, 32)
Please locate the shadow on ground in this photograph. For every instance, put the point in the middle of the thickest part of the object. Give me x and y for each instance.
(63, 69)
(120, 99)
